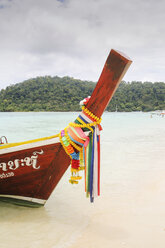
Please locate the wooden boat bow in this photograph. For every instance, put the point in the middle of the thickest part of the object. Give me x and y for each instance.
(30, 171)
(114, 70)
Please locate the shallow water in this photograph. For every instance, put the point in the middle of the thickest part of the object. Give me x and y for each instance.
(130, 211)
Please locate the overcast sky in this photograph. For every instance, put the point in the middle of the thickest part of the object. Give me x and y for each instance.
(73, 38)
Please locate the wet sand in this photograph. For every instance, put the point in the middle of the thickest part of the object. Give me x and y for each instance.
(131, 219)
(131, 210)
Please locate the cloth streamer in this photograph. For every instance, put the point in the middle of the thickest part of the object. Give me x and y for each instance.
(81, 141)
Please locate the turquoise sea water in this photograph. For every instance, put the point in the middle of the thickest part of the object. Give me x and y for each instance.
(132, 153)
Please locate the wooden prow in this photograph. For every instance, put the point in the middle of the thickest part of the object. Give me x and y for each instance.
(114, 69)
(39, 184)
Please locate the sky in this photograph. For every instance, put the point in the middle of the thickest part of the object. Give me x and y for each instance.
(74, 37)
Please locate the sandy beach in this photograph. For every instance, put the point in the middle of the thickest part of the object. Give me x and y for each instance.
(131, 220)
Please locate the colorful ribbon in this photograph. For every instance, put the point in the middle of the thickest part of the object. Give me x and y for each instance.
(84, 150)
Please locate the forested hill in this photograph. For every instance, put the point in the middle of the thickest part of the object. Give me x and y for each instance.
(64, 94)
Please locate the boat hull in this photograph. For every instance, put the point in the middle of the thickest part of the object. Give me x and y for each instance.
(25, 202)
(29, 174)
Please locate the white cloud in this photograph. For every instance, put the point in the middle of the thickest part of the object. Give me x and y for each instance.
(73, 38)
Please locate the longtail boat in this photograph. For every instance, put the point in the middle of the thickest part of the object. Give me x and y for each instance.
(30, 170)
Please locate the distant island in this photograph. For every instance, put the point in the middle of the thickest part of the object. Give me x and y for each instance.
(64, 94)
